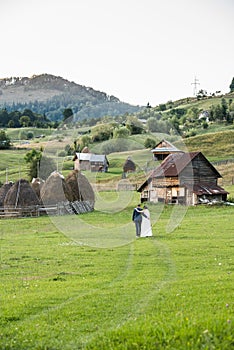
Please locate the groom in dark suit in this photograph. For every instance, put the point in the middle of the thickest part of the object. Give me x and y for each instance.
(137, 219)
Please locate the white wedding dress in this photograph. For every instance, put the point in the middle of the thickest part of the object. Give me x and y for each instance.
(146, 230)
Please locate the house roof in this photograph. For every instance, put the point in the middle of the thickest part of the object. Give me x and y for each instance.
(174, 164)
(82, 156)
(211, 189)
(90, 157)
(98, 158)
(165, 146)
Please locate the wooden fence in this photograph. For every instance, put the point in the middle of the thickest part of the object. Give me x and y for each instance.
(63, 208)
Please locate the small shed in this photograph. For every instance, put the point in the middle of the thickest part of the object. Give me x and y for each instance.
(163, 149)
(99, 162)
(91, 161)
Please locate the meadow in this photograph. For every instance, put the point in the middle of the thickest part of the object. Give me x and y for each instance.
(170, 291)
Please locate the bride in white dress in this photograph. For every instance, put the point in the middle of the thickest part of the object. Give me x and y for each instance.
(146, 230)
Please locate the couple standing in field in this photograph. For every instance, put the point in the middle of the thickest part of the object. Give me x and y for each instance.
(141, 218)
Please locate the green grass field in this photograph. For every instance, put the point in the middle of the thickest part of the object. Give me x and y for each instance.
(171, 291)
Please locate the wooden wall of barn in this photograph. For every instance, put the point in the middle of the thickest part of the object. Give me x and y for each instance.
(198, 171)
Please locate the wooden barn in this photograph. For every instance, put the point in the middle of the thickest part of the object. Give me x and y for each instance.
(163, 149)
(184, 178)
(90, 161)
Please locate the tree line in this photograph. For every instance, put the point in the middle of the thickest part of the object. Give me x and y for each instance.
(26, 118)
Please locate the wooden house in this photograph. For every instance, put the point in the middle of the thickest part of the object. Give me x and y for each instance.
(82, 161)
(99, 162)
(185, 178)
(163, 149)
(90, 161)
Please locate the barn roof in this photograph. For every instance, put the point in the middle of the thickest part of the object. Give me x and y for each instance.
(165, 146)
(98, 158)
(211, 189)
(175, 163)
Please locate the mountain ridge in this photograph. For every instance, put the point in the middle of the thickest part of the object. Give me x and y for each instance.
(49, 94)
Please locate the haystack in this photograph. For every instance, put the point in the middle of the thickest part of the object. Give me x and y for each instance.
(21, 197)
(3, 192)
(55, 190)
(80, 187)
(129, 166)
(37, 184)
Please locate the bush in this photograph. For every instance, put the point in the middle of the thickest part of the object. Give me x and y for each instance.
(30, 135)
(5, 141)
(149, 143)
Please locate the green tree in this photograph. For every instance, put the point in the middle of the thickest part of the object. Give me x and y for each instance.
(150, 143)
(11, 124)
(121, 132)
(39, 165)
(102, 132)
(24, 121)
(232, 85)
(152, 124)
(134, 125)
(23, 135)
(5, 141)
(224, 107)
(30, 135)
(67, 113)
(84, 141)
(4, 117)
(218, 113)
(33, 158)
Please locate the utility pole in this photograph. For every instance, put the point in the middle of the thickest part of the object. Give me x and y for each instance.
(195, 83)
(6, 175)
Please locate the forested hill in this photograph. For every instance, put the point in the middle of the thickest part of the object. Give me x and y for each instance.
(50, 95)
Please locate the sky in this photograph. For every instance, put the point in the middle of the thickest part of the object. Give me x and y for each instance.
(137, 50)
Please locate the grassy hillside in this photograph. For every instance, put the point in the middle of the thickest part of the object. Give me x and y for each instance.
(215, 146)
(203, 104)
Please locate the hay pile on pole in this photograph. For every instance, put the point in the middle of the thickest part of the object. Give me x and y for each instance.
(37, 184)
(21, 198)
(55, 190)
(129, 166)
(85, 150)
(3, 192)
(80, 188)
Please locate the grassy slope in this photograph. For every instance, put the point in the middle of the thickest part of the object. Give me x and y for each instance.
(171, 291)
(216, 146)
(203, 104)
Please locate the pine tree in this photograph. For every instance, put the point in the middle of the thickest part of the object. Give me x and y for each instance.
(232, 85)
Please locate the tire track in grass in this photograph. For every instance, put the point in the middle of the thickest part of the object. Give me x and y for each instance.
(126, 277)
